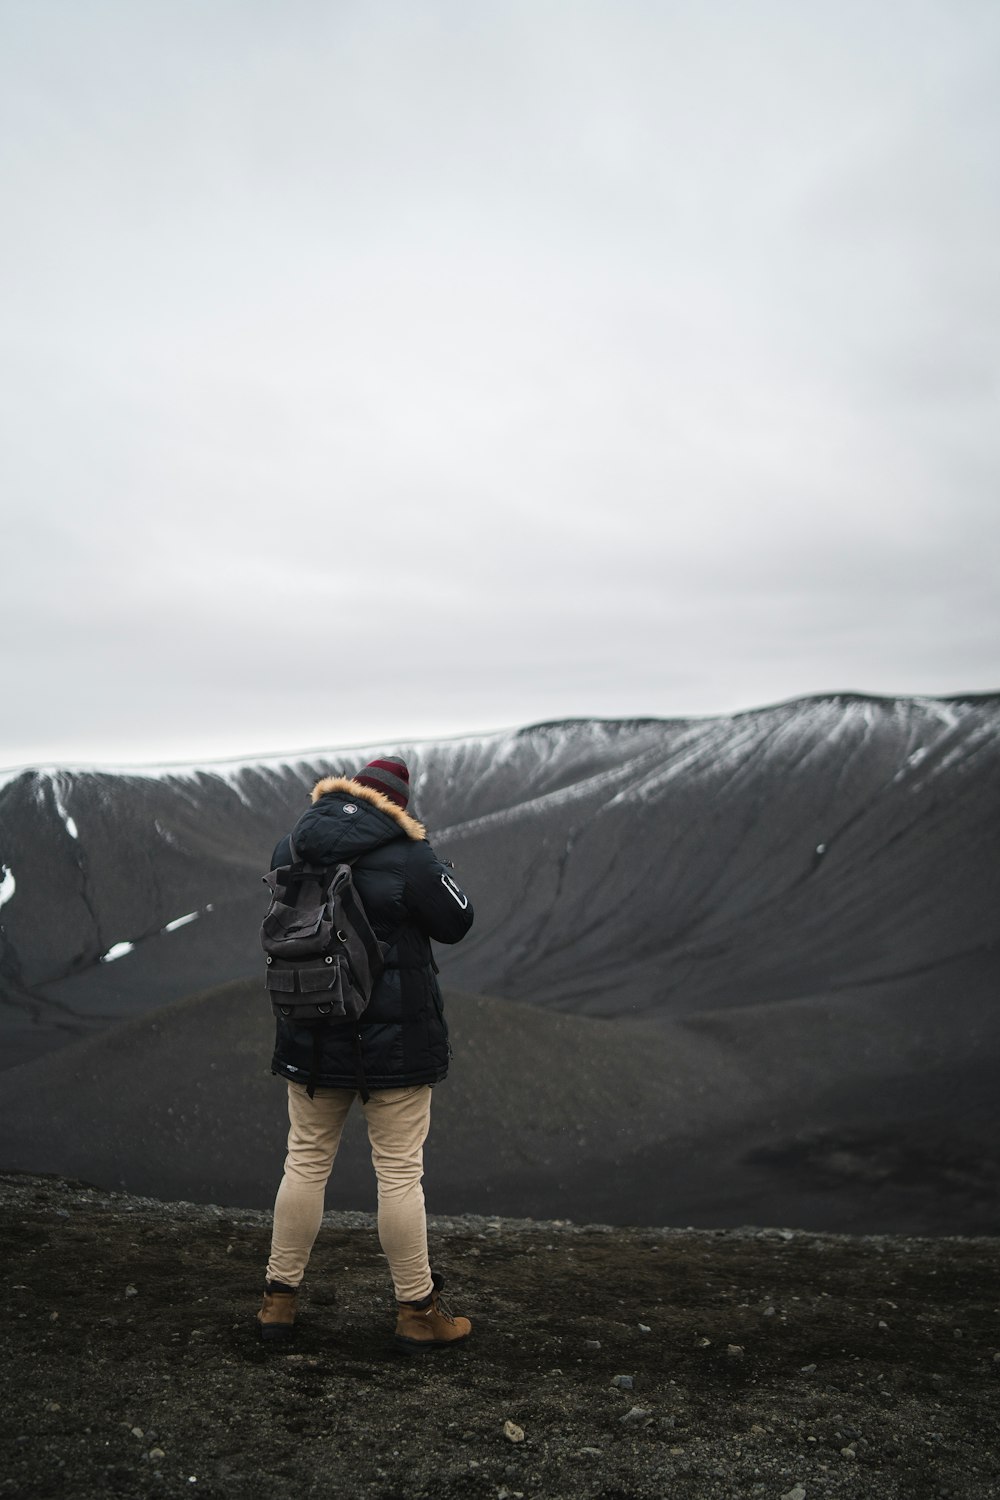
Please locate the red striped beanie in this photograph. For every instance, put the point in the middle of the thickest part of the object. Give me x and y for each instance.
(389, 776)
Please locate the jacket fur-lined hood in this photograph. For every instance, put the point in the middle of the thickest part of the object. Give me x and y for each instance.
(351, 788)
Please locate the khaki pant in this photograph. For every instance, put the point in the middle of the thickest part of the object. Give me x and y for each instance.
(398, 1121)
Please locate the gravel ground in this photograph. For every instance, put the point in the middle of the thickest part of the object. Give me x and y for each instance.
(604, 1362)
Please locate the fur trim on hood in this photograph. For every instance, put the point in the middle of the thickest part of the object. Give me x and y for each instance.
(410, 826)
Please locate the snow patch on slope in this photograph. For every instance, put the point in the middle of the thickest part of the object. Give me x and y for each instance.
(69, 822)
(949, 714)
(117, 950)
(192, 916)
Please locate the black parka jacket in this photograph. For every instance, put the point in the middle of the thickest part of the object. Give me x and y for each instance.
(409, 897)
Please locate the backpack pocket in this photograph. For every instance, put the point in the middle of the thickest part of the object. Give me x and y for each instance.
(310, 993)
(327, 978)
(290, 932)
(280, 979)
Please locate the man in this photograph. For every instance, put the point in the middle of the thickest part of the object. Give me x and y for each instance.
(392, 1057)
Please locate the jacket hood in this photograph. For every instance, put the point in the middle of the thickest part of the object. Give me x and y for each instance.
(350, 788)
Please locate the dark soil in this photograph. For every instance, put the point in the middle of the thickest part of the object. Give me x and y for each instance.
(763, 1363)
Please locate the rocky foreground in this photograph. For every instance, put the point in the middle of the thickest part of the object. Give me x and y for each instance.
(604, 1362)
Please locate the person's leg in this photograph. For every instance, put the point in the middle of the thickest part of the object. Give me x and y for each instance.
(398, 1121)
(315, 1128)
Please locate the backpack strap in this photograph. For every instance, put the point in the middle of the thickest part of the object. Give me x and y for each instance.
(317, 1056)
(359, 1066)
(362, 924)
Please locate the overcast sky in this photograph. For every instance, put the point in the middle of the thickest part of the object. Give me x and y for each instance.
(373, 370)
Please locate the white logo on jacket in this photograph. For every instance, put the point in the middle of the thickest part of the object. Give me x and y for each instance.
(455, 891)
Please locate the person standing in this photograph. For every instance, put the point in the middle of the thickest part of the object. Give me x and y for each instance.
(392, 1057)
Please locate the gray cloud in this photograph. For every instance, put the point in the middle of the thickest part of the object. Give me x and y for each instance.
(556, 359)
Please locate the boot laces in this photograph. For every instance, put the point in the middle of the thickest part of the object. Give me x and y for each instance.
(442, 1307)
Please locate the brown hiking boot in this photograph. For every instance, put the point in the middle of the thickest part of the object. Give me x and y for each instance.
(276, 1319)
(429, 1323)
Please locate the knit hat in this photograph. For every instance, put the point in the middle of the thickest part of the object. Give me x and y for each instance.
(389, 776)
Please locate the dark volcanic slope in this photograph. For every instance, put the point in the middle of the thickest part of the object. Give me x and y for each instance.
(667, 868)
(196, 1112)
(792, 914)
(864, 1115)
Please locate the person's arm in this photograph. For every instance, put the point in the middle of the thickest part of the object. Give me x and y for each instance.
(433, 896)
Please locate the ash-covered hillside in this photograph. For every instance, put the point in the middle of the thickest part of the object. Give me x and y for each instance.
(666, 868)
(799, 1117)
(723, 971)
